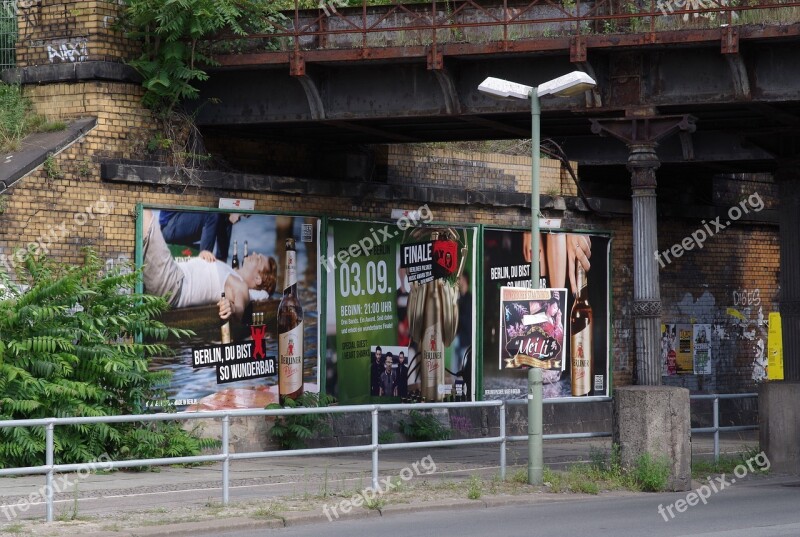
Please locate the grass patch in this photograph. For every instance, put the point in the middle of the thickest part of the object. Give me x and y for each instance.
(270, 511)
(52, 126)
(605, 472)
(15, 528)
(18, 120)
(703, 468)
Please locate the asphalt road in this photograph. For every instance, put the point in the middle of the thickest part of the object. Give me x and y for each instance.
(747, 509)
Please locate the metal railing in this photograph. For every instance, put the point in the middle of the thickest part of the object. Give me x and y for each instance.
(395, 23)
(8, 34)
(716, 428)
(225, 456)
(49, 468)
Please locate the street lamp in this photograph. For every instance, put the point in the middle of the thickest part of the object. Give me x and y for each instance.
(564, 86)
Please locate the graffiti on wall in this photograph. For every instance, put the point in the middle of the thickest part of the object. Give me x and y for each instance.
(68, 52)
(748, 324)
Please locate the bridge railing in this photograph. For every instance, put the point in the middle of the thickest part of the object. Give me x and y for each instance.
(394, 23)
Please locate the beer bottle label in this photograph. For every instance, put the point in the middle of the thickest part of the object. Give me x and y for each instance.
(432, 362)
(291, 269)
(290, 352)
(581, 363)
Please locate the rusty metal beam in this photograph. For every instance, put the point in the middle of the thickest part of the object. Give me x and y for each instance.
(578, 47)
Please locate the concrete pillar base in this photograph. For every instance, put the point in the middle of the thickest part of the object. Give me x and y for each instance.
(655, 420)
(779, 425)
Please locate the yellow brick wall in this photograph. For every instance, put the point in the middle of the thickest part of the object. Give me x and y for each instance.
(494, 170)
(69, 31)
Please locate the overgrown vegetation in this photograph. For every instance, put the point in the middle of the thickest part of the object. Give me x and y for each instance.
(292, 432)
(726, 464)
(650, 473)
(68, 347)
(172, 36)
(17, 118)
(605, 472)
(423, 427)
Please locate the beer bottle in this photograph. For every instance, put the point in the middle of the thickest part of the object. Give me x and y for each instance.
(225, 328)
(432, 344)
(245, 250)
(580, 328)
(235, 260)
(290, 332)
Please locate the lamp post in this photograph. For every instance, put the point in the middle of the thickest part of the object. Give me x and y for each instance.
(564, 86)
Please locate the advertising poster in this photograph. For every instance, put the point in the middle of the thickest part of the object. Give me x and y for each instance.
(400, 312)
(775, 347)
(532, 331)
(246, 285)
(669, 354)
(702, 349)
(684, 360)
(584, 311)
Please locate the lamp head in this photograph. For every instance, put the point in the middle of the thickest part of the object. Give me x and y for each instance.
(568, 85)
(564, 86)
(505, 88)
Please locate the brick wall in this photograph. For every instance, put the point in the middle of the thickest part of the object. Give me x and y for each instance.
(69, 31)
(445, 167)
(731, 283)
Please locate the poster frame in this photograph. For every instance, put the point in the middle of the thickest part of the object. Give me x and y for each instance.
(476, 284)
(321, 275)
(609, 234)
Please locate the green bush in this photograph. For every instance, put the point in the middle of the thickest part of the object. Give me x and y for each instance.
(291, 432)
(423, 427)
(69, 347)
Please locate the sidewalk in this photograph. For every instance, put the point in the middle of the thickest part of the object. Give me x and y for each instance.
(175, 491)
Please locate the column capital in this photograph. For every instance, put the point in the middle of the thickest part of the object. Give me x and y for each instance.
(643, 163)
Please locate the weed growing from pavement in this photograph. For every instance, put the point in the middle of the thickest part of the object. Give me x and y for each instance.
(270, 512)
(15, 529)
(651, 473)
(475, 490)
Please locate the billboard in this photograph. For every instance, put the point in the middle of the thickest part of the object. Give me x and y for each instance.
(246, 284)
(573, 264)
(400, 310)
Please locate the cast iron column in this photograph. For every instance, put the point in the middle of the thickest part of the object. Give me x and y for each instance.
(641, 131)
(642, 163)
(788, 176)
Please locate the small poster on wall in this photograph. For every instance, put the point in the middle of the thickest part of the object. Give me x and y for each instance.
(684, 359)
(669, 345)
(702, 349)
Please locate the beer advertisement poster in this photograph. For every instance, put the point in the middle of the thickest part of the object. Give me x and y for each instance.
(584, 307)
(400, 311)
(702, 349)
(245, 284)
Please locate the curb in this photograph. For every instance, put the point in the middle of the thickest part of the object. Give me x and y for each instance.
(302, 518)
